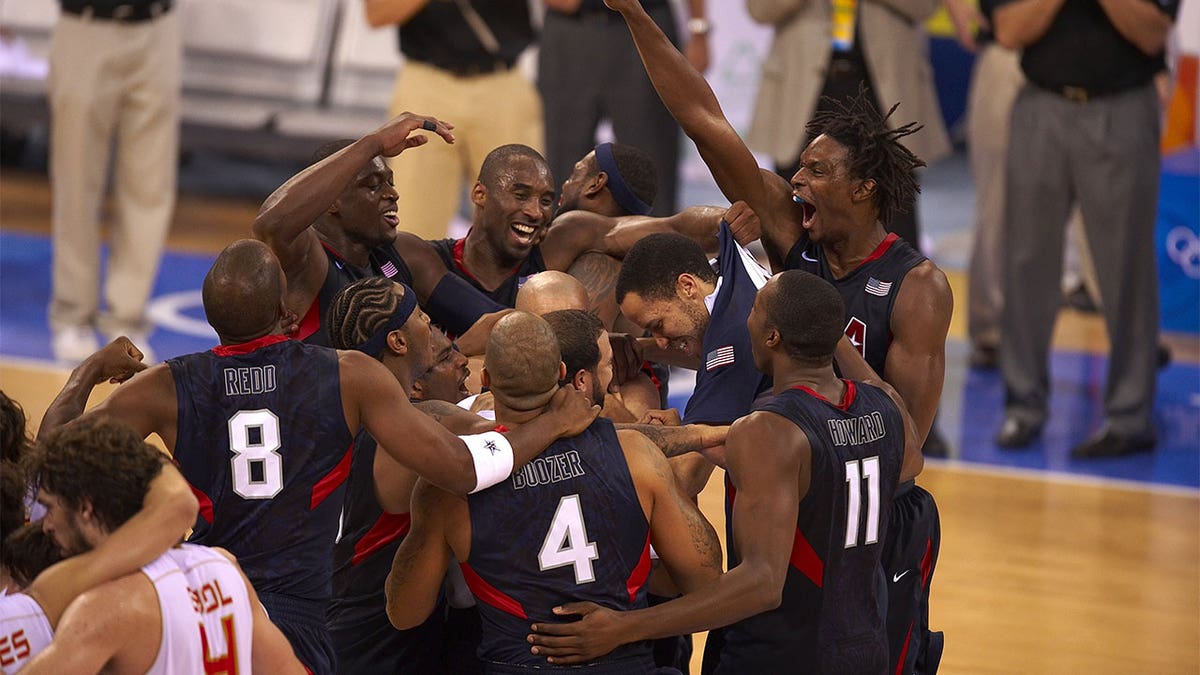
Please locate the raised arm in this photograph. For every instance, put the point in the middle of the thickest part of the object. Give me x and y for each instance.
(168, 510)
(372, 398)
(415, 580)
(693, 104)
(284, 219)
(769, 461)
(116, 362)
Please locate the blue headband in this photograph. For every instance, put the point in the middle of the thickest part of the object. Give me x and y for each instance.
(373, 346)
(620, 190)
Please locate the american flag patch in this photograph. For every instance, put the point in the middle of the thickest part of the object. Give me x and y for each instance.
(389, 269)
(877, 287)
(721, 356)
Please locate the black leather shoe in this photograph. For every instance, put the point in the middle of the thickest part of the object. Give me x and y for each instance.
(984, 357)
(1111, 444)
(1017, 432)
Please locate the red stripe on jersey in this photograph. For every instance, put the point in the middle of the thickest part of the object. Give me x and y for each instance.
(847, 396)
(387, 528)
(332, 480)
(904, 651)
(927, 563)
(247, 347)
(311, 323)
(880, 249)
(206, 505)
(805, 559)
(490, 594)
(640, 573)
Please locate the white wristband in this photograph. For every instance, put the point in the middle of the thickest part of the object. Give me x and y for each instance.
(493, 458)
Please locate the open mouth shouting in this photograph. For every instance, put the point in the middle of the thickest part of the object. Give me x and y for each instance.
(391, 218)
(809, 211)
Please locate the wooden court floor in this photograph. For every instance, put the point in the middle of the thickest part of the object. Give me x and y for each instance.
(1037, 573)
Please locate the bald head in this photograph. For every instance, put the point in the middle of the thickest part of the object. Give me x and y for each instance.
(551, 291)
(523, 361)
(243, 291)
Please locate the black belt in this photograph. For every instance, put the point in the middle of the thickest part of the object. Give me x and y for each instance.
(1083, 94)
(129, 13)
(472, 69)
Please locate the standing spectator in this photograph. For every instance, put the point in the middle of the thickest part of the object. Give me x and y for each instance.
(460, 63)
(589, 71)
(1084, 127)
(114, 74)
(823, 52)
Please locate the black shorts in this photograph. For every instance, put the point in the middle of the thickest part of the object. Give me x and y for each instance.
(302, 622)
(910, 553)
(368, 643)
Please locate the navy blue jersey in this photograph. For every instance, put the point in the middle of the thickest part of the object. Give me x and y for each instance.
(384, 262)
(831, 618)
(263, 441)
(567, 526)
(451, 253)
(362, 558)
(869, 291)
(727, 382)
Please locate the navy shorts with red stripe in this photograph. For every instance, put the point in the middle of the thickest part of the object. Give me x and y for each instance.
(910, 553)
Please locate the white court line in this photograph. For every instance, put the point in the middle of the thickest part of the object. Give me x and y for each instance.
(1052, 476)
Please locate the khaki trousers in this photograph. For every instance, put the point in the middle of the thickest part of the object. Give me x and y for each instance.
(487, 111)
(111, 83)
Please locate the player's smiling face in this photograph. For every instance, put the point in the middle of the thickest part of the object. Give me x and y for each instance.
(367, 207)
(516, 210)
(677, 324)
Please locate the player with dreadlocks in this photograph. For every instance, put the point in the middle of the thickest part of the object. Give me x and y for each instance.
(832, 220)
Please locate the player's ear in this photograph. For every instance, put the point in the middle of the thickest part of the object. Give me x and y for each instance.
(478, 194)
(686, 286)
(579, 380)
(595, 184)
(562, 371)
(485, 380)
(864, 190)
(397, 342)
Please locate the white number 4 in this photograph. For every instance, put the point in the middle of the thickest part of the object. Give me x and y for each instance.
(566, 542)
(254, 440)
(856, 471)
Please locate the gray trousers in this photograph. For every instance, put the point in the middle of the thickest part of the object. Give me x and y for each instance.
(1103, 155)
(589, 70)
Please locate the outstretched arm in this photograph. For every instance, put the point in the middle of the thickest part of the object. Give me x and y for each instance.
(372, 398)
(769, 460)
(577, 232)
(168, 510)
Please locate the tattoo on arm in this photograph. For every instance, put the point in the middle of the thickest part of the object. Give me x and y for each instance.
(438, 410)
(673, 441)
(598, 274)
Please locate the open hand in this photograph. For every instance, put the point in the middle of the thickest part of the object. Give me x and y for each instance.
(572, 410)
(396, 135)
(595, 634)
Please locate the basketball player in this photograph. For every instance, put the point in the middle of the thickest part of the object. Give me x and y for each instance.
(90, 478)
(335, 222)
(853, 178)
(262, 427)
(155, 507)
(447, 379)
(578, 521)
(811, 469)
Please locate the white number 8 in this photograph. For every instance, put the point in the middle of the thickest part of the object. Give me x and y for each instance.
(254, 440)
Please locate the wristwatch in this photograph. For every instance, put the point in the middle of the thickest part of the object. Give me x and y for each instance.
(699, 25)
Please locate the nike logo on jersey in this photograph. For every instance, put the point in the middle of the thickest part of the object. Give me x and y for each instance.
(900, 576)
(805, 256)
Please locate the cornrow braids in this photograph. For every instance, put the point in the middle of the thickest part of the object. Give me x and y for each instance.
(874, 150)
(359, 310)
